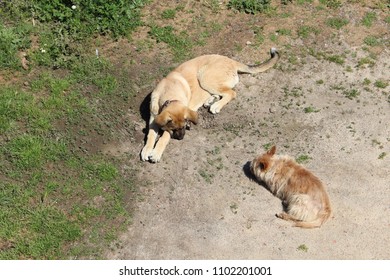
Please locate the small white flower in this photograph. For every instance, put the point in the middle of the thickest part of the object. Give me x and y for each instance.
(43, 50)
(74, 7)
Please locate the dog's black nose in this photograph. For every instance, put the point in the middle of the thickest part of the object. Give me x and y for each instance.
(179, 133)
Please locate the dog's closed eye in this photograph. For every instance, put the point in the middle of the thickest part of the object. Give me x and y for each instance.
(261, 166)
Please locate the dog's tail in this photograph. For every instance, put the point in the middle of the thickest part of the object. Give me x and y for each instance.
(254, 69)
(322, 217)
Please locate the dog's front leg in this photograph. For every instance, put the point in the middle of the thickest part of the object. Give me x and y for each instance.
(147, 150)
(160, 147)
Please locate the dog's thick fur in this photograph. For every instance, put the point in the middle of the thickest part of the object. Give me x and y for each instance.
(208, 81)
(303, 195)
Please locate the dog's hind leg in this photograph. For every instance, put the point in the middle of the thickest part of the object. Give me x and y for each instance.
(220, 84)
(227, 95)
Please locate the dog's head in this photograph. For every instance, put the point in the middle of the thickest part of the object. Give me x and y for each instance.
(261, 164)
(175, 119)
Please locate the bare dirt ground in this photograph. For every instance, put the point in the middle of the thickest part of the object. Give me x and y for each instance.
(200, 201)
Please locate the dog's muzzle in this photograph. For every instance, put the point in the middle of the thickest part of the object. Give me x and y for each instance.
(178, 133)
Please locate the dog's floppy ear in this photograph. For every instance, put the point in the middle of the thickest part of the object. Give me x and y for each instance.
(192, 116)
(272, 151)
(162, 119)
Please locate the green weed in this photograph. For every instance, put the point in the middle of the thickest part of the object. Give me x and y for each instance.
(64, 27)
(179, 43)
(337, 22)
(250, 6)
(310, 109)
(333, 4)
(15, 106)
(13, 39)
(168, 14)
(206, 175)
(267, 146)
(382, 155)
(366, 61)
(381, 84)
(371, 41)
(338, 59)
(303, 248)
(366, 81)
(351, 94)
(305, 31)
(26, 152)
(284, 32)
(303, 159)
(368, 19)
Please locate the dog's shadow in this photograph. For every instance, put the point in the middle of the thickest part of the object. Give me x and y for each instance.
(248, 173)
(144, 110)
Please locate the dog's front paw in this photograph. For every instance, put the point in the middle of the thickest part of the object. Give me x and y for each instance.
(155, 156)
(215, 108)
(146, 153)
(211, 101)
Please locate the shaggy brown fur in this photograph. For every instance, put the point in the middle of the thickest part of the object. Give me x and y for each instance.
(302, 193)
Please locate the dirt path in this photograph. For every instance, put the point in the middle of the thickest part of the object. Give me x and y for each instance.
(200, 202)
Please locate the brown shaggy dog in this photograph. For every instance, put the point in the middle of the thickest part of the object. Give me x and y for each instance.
(305, 200)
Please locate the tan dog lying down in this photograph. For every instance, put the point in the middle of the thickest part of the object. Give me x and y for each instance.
(205, 80)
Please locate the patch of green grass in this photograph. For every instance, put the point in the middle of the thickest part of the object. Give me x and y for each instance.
(304, 2)
(64, 27)
(366, 81)
(303, 159)
(351, 94)
(15, 106)
(366, 61)
(250, 6)
(381, 84)
(40, 233)
(13, 39)
(168, 14)
(337, 22)
(310, 109)
(206, 175)
(214, 5)
(179, 43)
(52, 194)
(259, 36)
(305, 31)
(103, 171)
(284, 32)
(338, 59)
(333, 4)
(303, 248)
(368, 19)
(234, 208)
(382, 155)
(26, 152)
(267, 146)
(372, 41)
